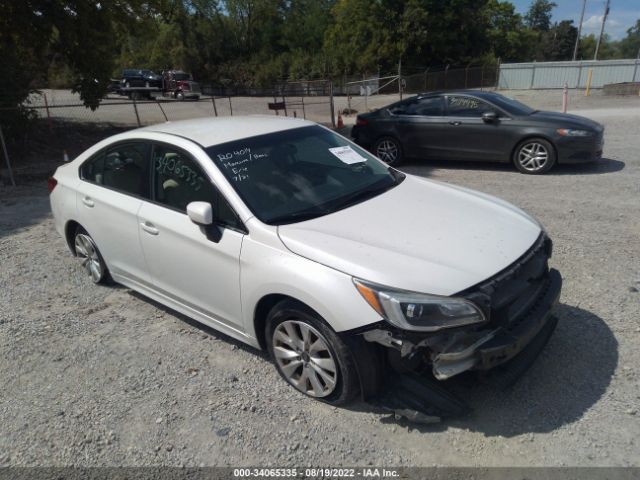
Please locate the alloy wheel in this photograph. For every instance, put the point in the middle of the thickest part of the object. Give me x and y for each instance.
(533, 156)
(88, 255)
(304, 358)
(387, 151)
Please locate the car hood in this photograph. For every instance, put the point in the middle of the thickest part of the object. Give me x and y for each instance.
(563, 120)
(422, 236)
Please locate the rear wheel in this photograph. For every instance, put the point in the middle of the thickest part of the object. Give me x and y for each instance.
(309, 355)
(534, 156)
(389, 150)
(89, 256)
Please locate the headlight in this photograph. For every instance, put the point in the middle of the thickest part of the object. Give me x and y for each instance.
(419, 311)
(568, 132)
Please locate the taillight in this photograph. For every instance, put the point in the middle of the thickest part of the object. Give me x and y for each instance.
(51, 184)
(361, 121)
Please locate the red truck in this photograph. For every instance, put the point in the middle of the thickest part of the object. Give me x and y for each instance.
(175, 84)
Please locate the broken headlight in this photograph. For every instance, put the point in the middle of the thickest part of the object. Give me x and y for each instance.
(419, 311)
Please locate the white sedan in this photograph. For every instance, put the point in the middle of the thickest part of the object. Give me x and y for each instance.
(282, 234)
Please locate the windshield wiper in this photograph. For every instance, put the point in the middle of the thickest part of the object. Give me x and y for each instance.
(361, 195)
(300, 216)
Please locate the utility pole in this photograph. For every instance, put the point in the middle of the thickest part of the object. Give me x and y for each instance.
(604, 19)
(575, 50)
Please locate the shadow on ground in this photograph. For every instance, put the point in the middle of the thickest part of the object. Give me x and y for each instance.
(605, 165)
(565, 381)
(22, 207)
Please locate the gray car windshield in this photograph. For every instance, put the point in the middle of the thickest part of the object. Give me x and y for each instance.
(302, 173)
(512, 106)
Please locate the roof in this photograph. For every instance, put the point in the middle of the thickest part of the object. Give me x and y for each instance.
(476, 93)
(217, 130)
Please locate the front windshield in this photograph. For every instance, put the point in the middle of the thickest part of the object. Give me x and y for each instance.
(298, 174)
(512, 106)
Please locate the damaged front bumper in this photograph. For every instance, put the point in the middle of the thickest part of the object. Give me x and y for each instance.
(518, 303)
(500, 345)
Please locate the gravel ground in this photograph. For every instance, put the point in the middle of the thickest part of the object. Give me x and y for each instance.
(94, 375)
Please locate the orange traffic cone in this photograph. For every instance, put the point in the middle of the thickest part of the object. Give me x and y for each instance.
(340, 122)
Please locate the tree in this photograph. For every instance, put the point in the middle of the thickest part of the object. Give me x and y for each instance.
(630, 45)
(507, 36)
(558, 43)
(538, 16)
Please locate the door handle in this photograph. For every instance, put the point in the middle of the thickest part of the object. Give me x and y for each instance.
(88, 202)
(149, 228)
(455, 122)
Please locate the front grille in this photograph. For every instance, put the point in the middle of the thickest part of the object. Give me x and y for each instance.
(510, 294)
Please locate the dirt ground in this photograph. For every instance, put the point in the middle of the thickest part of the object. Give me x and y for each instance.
(94, 375)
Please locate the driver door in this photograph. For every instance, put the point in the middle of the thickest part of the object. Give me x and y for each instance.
(186, 266)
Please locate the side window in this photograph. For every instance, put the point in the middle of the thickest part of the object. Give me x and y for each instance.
(467, 107)
(124, 168)
(178, 180)
(404, 108)
(429, 107)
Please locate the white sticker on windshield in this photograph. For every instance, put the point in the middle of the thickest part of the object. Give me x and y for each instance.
(347, 155)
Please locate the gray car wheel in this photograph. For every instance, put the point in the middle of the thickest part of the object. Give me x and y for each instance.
(89, 256)
(309, 355)
(534, 156)
(389, 150)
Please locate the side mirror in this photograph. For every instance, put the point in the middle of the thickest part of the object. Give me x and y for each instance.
(200, 213)
(490, 117)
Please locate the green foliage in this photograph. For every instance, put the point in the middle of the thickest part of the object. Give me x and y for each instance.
(538, 16)
(630, 45)
(558, 43)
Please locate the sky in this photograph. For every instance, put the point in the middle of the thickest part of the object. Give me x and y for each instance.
(622, 14)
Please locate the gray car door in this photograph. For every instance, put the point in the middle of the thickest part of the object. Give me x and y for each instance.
(469, 137)
(421, 124)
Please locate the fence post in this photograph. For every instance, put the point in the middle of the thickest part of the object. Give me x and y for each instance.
(46, 106)
(331, 106)
(482, 78)
(426, 76)
(446, 70)
(497, 87)
(135, 108)
(466, 74)
(399, 77)
(230, 107)
(635, 67)
(304, 115)
(6, 156)
(213, 101)
(533, 75)
(166, 119)
(579, 75)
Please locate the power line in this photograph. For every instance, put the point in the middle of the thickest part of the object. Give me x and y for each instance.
(604, 19)
(575, 50)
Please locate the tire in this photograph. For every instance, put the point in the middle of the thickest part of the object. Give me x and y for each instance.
(309, 355)
(534, 156)
(389, 150)
(87, 251)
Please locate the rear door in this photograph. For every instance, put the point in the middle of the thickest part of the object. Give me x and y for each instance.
(187, 266)
(469, 137)
(421, 124)
(114, 183)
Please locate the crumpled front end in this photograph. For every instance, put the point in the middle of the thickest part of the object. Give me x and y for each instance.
(517, 304)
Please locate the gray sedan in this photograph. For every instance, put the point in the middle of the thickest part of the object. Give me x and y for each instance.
(473, 125)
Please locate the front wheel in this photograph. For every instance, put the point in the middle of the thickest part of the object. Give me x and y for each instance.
(309, 355)
(534, 156)
(389, 150)
(89, 255)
